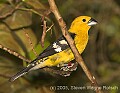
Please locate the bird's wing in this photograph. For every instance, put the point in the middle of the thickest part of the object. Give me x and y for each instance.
(56, 47)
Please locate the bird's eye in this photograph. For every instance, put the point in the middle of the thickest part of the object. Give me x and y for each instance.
(84, 20)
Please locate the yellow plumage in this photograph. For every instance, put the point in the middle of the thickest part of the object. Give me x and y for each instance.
(58, 58)
(79, 27)
(81, 30)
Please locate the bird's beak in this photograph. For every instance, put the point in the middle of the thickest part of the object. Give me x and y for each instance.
(92, 22)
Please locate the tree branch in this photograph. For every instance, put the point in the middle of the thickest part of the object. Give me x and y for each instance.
(14, 53)
(71, 43)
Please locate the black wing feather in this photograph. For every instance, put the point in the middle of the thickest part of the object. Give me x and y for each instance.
(50, 50)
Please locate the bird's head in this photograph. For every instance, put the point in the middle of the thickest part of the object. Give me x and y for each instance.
(82, 24)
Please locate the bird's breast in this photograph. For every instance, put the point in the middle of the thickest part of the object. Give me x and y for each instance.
(81, 42)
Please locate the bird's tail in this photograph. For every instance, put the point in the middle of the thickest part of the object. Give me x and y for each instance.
(21, 73)
(32, 66)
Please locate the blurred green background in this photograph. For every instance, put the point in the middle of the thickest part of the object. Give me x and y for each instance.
(102, 54)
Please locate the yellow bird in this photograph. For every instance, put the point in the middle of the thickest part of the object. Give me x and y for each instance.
(59, 53)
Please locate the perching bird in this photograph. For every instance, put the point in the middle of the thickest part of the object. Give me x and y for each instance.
(59, 53)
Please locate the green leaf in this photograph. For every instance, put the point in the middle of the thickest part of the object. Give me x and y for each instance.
(19, 19)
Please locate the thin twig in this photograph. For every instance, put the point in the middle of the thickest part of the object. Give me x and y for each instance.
(72, 45)
(31, 44)
(45, 30)
(11, 11)
(44, 33)
(45, 14)
(14, 53)
(50, 28)
(30, 10)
